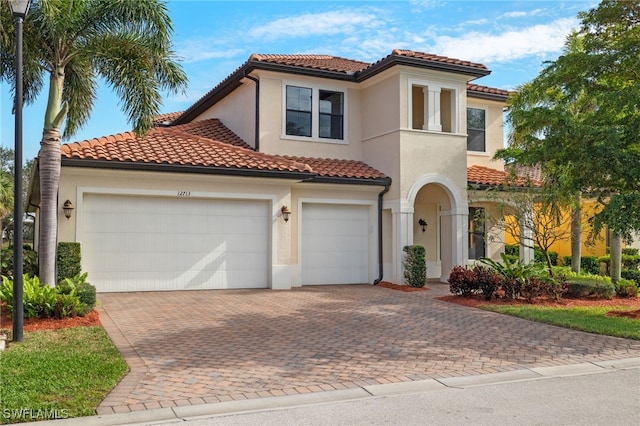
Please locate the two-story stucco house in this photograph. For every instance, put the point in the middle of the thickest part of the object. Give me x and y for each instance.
(294, 170)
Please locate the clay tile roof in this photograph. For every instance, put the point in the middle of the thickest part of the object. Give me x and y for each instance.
(487, 89)
(320, 62)
(437, 58)
(331, 167)
(168, 117)
(207, 143)
(212, 129)
(171, 146)
(480, 175)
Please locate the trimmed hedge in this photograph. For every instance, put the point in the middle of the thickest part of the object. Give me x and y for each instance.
(538, 255)
(415, 266)
(630, 251)
(68, 260)
(588, 264)
(582, 287)
(626, 288)
(631, 274)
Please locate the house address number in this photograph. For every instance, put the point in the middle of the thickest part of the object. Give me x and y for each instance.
(184, 193)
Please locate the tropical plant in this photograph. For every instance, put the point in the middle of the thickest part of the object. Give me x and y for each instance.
(76, 43)
(519, 277)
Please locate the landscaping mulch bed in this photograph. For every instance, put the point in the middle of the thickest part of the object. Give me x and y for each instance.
(34, 324)
(477, 300)
(401, 287)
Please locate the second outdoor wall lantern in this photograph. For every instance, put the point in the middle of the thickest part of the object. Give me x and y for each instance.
(285, 213)
(68, 208)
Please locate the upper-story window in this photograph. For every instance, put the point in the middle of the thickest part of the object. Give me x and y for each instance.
(314, 113)
(476, 130)
(298, 111)
(331, 114)
(433, 107)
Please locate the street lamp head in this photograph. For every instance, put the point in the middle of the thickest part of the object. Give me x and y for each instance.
(19, 8)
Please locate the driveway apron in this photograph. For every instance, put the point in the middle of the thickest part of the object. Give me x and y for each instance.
(197, 347)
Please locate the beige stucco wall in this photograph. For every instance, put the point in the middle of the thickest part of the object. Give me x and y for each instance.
(237, 111)
(273, 139)
(424, 152)
(494, 133)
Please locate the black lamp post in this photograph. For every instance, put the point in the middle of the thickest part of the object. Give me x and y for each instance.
(19, 9)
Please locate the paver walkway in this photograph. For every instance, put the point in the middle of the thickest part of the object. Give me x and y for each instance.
(197, 347)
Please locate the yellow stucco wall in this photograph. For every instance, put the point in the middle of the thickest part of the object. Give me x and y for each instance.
(590, 246)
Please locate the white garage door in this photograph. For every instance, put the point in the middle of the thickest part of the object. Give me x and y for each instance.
(335, 244)
(153, 243)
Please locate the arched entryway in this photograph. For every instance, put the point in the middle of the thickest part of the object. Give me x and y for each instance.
(439, 208)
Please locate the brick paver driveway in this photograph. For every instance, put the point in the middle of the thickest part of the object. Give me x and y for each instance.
(195, 347)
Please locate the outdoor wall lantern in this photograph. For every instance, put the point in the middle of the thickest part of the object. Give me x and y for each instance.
(423, 223)
(285, 213)
(68, 208)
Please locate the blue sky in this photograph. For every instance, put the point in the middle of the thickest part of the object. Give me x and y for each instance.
(213, 38)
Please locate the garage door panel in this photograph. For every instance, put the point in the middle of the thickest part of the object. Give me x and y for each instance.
(153, 243)
(335, 244)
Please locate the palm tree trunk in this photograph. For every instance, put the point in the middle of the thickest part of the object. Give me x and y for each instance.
(49, 179)
(576, 235)
(616, 257)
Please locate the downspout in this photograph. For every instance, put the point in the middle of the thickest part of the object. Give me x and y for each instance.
(380, 257)
(257, 119)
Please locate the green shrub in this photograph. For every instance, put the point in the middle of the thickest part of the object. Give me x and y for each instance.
(630, 251)
(628, 261)
(85, 291)
(41, 301)
(598, 287)
(589, 264)
(512, 250)
(631, 274)
(415, 266)
(462, 281)
(516, 275)
(29, 261)
(538, 257)
(68, 260)
(626, 288)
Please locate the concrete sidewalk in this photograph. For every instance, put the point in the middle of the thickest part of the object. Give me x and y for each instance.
(329, 407)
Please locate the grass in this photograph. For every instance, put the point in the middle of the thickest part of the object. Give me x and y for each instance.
(592, 319)
(57, 374)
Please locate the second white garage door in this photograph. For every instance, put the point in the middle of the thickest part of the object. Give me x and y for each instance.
(153, 243)
(335, 244)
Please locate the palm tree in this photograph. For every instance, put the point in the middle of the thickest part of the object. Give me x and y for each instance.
(75, 42)
(6, 197)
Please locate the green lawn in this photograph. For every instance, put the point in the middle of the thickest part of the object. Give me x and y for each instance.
(57, 374)
(585, 318)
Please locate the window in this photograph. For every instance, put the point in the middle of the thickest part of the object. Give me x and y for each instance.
(477, 244)
(331, 114)
(313, 112)
(298, 111)
(476, 130)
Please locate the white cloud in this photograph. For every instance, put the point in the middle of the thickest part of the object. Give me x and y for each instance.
(518, 14)
(537, 40)
(197, 50)
(318, 24)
